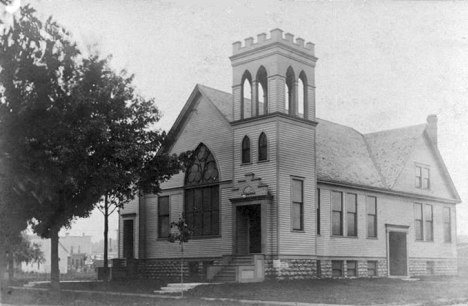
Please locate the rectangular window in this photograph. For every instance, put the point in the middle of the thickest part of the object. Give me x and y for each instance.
(371, 217)
(163, 217)
(337, 213)
(430, 267)
(318, 211)
(428, 218)
(372, 268)
(351, 214)
(337, 268)
(297, 197)
(422, 177)
(447, 225)
(418, 222)
(202, 210)
(351, 268)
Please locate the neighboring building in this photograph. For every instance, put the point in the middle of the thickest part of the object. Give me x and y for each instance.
(275, 192)
(73, 252)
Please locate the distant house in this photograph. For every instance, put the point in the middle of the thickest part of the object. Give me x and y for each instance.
(73, 252)
(275, 192)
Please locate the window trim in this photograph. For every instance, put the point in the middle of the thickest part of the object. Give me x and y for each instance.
(260, 146)
(376, 274)
(245, 140)
(168, 216)
(422, 182)
(317, 211)
(341, 267)
(301, 205)
(428, 223)
(355, 214)
(341, 234)
(355, 268)
(444, 209)
(421, 226)
(375, 216)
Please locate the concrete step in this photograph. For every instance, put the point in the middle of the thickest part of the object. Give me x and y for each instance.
(178, 287)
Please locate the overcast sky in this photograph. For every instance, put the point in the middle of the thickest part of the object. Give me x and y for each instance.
(382, 65)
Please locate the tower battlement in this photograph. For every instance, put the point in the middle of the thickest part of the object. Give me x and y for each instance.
(276, 35)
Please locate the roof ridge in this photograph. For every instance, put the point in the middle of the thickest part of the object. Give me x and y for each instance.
(397, 129)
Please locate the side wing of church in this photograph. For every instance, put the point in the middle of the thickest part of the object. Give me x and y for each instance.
(275, 192)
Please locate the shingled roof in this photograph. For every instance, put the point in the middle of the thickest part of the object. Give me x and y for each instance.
(343, 154)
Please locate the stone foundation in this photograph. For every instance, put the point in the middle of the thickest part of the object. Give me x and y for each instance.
(288, 269)
(427, 267)
(170, 270)
(311, 268)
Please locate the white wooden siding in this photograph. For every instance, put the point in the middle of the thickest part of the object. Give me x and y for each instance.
(390, 210)
(423, 155)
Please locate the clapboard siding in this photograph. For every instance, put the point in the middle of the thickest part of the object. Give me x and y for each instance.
(423, 154)
(390, 210)
(205, 125)
(204, 247)
(295, 159)
(266, 170)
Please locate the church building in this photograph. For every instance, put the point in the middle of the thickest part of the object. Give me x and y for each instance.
(277, 193)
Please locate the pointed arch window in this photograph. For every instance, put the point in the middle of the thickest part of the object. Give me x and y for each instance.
(246, 150)
(246, 95)
(201, 203)
(262, 91)
(262, 147)
(303, 100)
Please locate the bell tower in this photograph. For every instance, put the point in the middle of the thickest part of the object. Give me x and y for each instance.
(274, 75)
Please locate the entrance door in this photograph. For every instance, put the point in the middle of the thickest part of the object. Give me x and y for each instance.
(397, 253)
(128, 239)
(248, 230)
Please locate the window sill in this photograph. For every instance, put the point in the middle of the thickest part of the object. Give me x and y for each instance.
(245, 164)
(373, 238)
(341, 236)
(263, 161)
(205, 237)
(297, 231)
(161, 239)
(427, 241)
(422, 188)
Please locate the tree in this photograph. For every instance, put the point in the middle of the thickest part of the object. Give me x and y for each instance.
(182, 235)
(46, 139)
(127, 148)
(24, 251)
(73, 130)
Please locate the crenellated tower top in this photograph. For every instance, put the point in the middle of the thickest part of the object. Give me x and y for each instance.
(276, 36)
(274, 75)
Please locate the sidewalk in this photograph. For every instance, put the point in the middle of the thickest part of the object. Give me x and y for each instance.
(239, 301)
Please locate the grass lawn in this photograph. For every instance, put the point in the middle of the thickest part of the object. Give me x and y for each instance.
(344, 291)
(428, 291)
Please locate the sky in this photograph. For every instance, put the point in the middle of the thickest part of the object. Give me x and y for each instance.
(381, 64)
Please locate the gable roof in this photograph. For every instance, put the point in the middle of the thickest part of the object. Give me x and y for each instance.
(390, 149)
(344, 155)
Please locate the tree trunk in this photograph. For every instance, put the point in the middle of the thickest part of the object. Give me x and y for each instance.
(11, 267)
(106, 238)
(54, 258)
(3, 265)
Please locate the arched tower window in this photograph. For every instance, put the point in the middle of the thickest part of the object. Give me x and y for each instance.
(262, 147)
(201, 205)
(246, 150)
(262, 91)
(302, 101)
(290, 92)
(246, 96)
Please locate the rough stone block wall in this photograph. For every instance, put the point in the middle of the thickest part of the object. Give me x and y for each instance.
(162, 270)
(419, 267)
(382, 268)
(291, 269)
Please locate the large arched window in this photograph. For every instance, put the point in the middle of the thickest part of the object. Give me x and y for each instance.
(246, 150)
(246, 96)
(262, 147)
(201, 205)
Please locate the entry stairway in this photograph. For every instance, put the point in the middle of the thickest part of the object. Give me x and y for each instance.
(240, 268)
